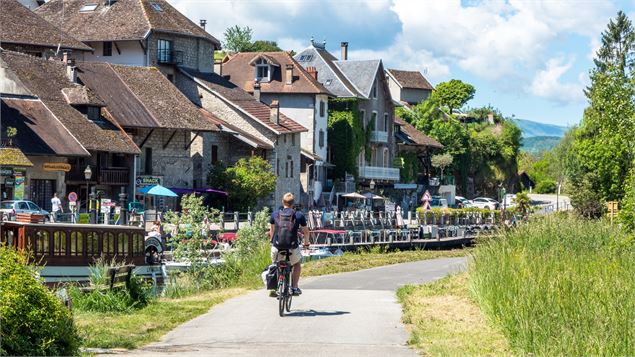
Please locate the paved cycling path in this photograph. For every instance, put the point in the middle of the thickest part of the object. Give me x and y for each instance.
(347, 314)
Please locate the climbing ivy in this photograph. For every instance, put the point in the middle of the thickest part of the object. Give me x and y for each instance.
(409, 166)
(347, 136)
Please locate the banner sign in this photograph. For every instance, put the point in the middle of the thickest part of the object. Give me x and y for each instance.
(56, 166)
(143, 181)
(18, 192)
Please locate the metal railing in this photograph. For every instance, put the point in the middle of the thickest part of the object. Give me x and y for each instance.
(379, 173)
(379, 136)
(169, 57)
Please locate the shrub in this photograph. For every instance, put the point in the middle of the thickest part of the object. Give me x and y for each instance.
(559, 286)
(546, 186)
(33, 321)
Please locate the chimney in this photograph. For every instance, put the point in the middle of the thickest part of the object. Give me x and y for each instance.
(275, 112)
(71, 70)
(289, 73)
(203, 22)
(257, 90)
(65, 58)
(312, 71)
(344, 46)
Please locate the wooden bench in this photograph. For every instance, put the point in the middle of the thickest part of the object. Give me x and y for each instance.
(30, 218)
(117, 277)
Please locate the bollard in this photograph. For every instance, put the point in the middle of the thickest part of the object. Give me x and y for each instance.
(236, 220)
(222, 220)
(123, 201)
(92, 209)
(250, 218)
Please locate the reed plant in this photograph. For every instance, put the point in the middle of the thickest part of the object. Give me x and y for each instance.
(559, 286)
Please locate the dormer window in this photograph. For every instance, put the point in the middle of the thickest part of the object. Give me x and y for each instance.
(88, 8)
(156, 6)
(263, 70)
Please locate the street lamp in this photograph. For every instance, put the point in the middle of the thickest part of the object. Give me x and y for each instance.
(88, 173)
(372, 184)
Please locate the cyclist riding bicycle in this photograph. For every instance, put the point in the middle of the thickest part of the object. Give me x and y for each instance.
(284, 225)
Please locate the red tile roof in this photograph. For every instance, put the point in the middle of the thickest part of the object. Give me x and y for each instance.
(410, 79)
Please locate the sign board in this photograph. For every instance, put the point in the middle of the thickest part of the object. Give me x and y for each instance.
(9, 182)
(72, 197)
(390, 207)
(426, 196)
(18, 192)
(56, 166)
(6, 171)
(145, 180)
(106, 204)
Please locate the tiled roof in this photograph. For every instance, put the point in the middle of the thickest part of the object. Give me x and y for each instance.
(243, 100)
(241, 71)
(329, 74)
(39, 131)
(123, 20)
(142, 97)
(414, 136)
(410, 79)
(234, 130)
(19, 25)
(82, 96)
(361, 74)
(46, 79)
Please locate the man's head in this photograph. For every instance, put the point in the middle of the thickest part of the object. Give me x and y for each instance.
(287, 200)
(55, 194)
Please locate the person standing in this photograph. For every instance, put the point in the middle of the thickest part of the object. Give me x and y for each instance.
(284, 225)
(56, 207)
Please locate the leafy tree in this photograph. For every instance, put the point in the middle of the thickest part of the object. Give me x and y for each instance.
(585, 199)
(264, 46)
(441, 161)
(238, 39)
(523, 203)
(247, 182)
(453, 94)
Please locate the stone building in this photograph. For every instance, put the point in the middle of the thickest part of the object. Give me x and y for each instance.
(276, 76)
(135, 32)
(62, 127)
(365, 81)
(408, 87)
(21, 30)
(272, 134)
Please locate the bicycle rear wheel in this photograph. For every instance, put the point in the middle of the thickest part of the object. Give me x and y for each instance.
(288, 292)
(281, 297)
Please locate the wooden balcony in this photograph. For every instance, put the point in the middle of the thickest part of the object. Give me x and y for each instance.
(105, 176)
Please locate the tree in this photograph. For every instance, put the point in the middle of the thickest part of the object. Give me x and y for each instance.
(238, 39)
(618, 42)
(453, 94)
(264, 46)
(441, 161)
(247, 182)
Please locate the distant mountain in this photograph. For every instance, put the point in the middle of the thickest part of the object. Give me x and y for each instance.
(538, 144)
(532, 128)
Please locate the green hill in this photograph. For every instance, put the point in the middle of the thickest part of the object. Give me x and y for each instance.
(538, 144)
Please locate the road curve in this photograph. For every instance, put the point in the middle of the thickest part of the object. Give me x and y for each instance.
(347, 314)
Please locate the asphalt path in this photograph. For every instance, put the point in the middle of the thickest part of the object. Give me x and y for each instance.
(347, 314)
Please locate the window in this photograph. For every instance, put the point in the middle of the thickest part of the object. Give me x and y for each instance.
(374, 90)
(328, 82)
(385, 121)
(22, 206)
(291, 168)
(93, 113)
(148, 161)
(321, 138)
(322, 108)
(88, 8)
(156, 6)
(262, 70)
(171, 78)
(214, 154)
(286, 169)
(363, 115)
(33, 206)
(386, 157)
(305, 58)
(374, 122)
(107, 49)
(285, 138)
(164, 51)
(292, 139)
(278, 167)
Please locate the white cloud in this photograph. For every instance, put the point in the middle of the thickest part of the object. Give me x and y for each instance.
(548, 82)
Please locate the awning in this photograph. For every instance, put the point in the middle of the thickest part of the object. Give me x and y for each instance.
(185, 191)
(311, 156)
(354, 195)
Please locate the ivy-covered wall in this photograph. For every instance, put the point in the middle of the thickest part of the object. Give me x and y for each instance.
(409, 166)
(347, 136)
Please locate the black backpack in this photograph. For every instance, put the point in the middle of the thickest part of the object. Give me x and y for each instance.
(285, 236)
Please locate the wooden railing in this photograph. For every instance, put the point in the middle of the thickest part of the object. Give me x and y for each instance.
(106, 176)
(75, 244)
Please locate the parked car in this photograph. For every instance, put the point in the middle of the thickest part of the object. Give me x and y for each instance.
(11, 207)
(462, 202)
(438, 202)
(485, 202)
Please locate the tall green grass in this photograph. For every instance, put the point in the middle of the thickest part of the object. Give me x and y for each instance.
(559, 286)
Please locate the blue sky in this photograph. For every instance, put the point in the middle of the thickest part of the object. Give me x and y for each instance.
(528, 58)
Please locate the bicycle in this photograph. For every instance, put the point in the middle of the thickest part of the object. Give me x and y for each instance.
(284, 283)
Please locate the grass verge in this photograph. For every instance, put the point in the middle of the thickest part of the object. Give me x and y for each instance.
(559, 286)
(148, 324)
(445, 321)
(352, 261)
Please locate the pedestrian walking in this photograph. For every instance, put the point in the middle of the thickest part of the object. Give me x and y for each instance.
(56, 207)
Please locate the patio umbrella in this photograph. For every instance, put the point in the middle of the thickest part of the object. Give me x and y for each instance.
(158, 190)
(354, 195)
(372, 196)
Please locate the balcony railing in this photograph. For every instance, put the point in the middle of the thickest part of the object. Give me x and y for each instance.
(379, 173)
(106, 176)
(169, 57)
(379, 136)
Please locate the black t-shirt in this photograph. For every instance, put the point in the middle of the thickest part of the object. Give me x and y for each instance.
(300, 219)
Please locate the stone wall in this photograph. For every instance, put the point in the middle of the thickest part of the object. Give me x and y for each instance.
(196, 53)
